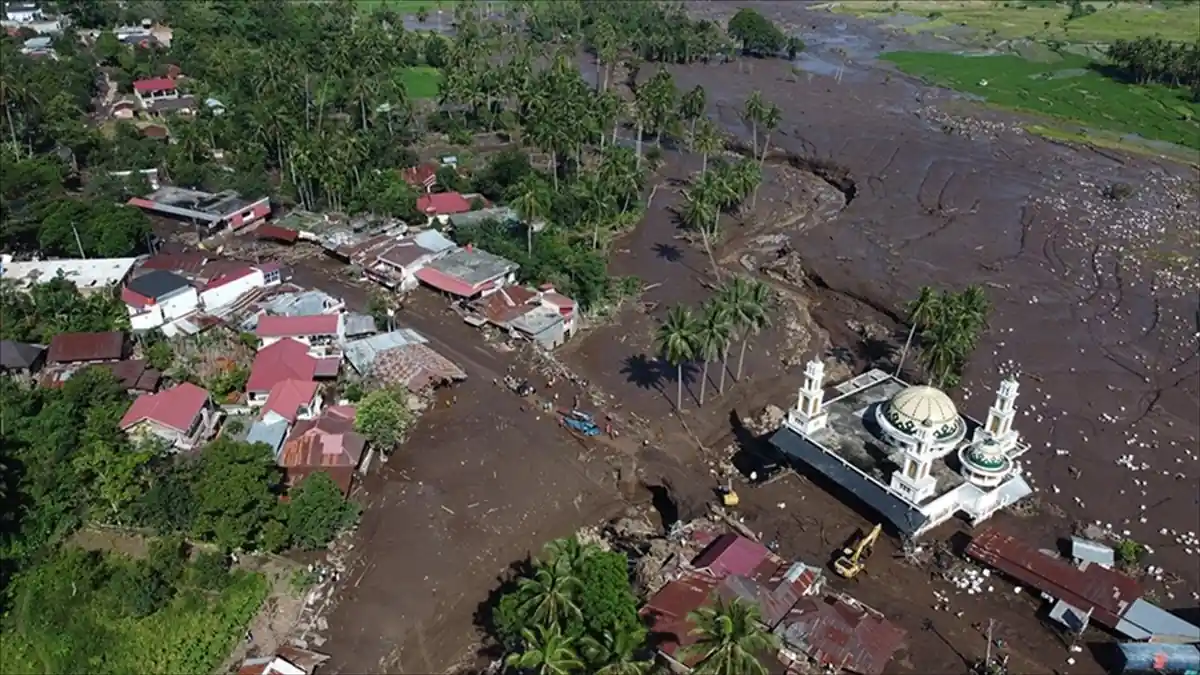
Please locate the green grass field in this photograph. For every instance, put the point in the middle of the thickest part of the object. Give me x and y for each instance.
(422, 82)
(1066, 89)
(1029, 19)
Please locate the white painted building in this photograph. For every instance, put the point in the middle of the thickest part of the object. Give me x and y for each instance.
(158, 298)
(227, 289)
(89, 276)
(905, 450)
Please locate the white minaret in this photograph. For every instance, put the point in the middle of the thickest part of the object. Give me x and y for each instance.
(808, 417)
(999, 425)
(913, 479)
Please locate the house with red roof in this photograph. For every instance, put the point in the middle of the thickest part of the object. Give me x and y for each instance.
(155, 89)
(292, 400)
(731, 568)
(327, 444)
(439, 206)
(182, 416)
(285, 359)
(468, 273)
(545, 317)
(321, 332)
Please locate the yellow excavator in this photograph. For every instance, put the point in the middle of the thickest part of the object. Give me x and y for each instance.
(854, 558)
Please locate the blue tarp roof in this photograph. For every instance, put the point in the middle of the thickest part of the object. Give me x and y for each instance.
(795, 447)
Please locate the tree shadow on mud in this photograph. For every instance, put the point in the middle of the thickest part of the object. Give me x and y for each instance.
(644, 372)
(492, 649)
(668, 252)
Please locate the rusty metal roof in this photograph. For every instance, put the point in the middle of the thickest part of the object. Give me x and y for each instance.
(667, 610)
(841, 632)
(76, 347)
(1106, 592)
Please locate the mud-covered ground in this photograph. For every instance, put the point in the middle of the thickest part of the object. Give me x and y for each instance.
(1091, 308)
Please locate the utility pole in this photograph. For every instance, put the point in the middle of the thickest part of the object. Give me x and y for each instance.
(987, 658)
(78, 242)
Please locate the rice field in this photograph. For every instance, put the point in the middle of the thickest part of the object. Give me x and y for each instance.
(1012, 19)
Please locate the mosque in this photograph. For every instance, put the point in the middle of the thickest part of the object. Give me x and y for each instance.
(905, 450)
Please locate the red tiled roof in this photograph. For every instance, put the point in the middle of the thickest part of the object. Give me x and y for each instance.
(1106, 592)
(842, 633)
(297, 326)
(446, 283)
(75, 347)
(443, 204)
(268, 231)
(155, 84)
(175, 408)
(285, 360)
(732, 554)
(288, 396)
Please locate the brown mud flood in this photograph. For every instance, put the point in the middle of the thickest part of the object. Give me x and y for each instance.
(1095, 305)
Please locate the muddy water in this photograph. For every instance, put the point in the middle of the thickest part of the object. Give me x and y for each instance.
(1108, 355)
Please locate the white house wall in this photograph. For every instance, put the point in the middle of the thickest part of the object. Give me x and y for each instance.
(227, 294)
(180, 304)
(149, 319)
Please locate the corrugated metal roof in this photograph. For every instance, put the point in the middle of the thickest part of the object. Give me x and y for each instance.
(75, 347)
(1147, 621)
(271, 433)
(838, 631)
(359, 324)
(433, 240)
(362, 353)
(1106, 592)
(666, 612)
(731, 554)
(903, 517)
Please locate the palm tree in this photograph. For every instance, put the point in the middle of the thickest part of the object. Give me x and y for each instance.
(699, 212)
(731, 299)
(769, 118)
(676, 340)
(616, 654)
(548, 597)
(706, 140)
(730, 636)
(546, 652)
(920, 311)
(531, 199)
(752, 113)
(947, 342)
(974, 305)
(691, 109)
(752, 315)
(712, 337)
(567, 554)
